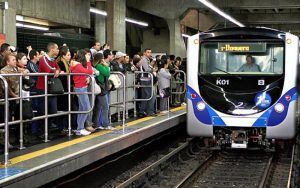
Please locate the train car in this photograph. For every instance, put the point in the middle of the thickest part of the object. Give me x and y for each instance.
(242, 86)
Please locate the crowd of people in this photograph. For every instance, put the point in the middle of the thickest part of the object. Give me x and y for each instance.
(98, 61)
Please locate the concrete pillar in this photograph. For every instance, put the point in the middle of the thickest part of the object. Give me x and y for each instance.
(100, 23)
(177, 46)
(8, 23)
(10, 26)
(116, 27)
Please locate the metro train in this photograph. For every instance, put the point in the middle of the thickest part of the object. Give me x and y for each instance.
(241, 86)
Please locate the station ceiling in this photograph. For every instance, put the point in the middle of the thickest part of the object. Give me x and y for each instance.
(279, 14)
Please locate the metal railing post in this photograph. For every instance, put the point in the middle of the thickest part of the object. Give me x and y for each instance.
(69, 106)
(135, 94)
(6, 139)
(180, 82)
(118, 104)
(21, 114)
(124, 102)
(46, 108)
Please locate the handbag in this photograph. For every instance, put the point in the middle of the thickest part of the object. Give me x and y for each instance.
(26, 109)
(55, 86)
(115, 80)
(103, 86)
(97, 88)
(164, 93)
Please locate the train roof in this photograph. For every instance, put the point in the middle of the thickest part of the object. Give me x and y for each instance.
(249, 32)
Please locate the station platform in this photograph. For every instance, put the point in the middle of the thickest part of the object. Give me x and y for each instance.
(43, 163)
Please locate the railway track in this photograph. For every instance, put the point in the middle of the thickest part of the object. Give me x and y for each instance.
(169, 168)
(190, 165)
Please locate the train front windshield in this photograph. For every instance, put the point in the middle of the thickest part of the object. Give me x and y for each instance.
(234, 77)
(231, 58)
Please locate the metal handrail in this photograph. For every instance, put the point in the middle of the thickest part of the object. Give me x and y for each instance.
(6, 157)
(117, 105)
(142, 86)
(183, 82)
(46, 95)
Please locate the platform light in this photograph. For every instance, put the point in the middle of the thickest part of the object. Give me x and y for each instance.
(220, 12)
(185, 35)
(4, 5)
(104, 13)
(32, 26)
(20, 18)
(136, 22)
(98, 11)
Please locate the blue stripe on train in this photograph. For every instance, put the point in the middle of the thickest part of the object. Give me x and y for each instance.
(205, 115)
(274, 118)
(269, 118)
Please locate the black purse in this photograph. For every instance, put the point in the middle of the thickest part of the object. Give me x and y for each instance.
(104, 86)
(165, 93)
(55, 86)
(26, 109)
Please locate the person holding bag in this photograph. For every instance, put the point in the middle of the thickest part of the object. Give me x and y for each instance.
(82, 65)
(48, 64)
(164, 78)
(100, 114)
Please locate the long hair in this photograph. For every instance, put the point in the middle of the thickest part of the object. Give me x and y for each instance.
(80, 57)
(98, 57)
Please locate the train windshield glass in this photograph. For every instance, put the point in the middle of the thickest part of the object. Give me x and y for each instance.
(258, 58)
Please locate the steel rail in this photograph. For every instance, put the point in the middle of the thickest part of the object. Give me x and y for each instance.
(155, 164)
(187, 178)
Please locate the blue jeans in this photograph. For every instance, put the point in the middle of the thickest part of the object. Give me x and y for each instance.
(84, 105)
(100, 114)
(52, 106)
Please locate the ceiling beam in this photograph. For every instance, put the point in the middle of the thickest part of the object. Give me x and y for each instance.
(257, 4)
(275, 18)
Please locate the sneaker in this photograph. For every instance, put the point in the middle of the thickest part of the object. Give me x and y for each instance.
(100, 128)
(165, 112)
(90, 129)
(183, 104)
(110, 128)
(83, 132)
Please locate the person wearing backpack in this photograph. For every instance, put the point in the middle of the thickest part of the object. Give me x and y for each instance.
(100, 113)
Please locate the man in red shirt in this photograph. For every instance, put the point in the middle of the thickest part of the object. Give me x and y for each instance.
(48, 64)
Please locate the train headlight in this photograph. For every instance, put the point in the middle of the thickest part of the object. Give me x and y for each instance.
(279, 108)
(200, 106)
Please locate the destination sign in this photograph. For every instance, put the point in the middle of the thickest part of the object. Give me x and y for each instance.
(242, 47)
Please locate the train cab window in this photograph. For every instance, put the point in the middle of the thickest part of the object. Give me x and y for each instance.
(251, 58)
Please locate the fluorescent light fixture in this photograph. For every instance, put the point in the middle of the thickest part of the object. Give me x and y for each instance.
(4, 5)
(220, 12)
(98, 11)
(185, 35)
(136, 22)
(104, 13)
(32, 26)
(19, 18)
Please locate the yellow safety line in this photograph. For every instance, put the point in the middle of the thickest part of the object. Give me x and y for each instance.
(74, 141)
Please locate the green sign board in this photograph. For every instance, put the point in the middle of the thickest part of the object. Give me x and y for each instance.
(242, 47)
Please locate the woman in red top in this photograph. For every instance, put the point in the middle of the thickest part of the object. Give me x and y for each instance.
(82, 65)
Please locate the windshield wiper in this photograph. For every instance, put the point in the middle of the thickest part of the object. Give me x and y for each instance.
(228, 73)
